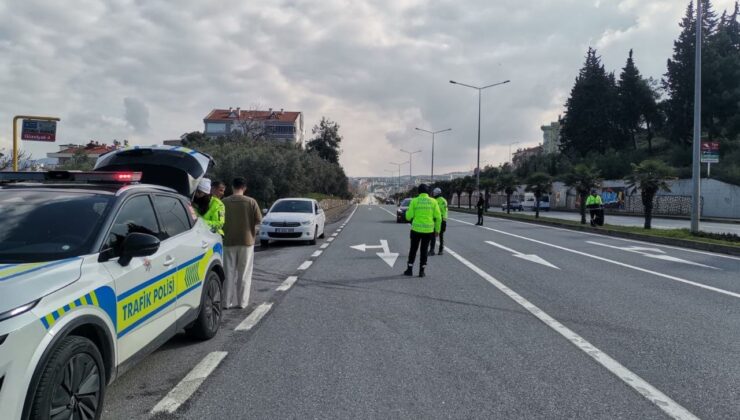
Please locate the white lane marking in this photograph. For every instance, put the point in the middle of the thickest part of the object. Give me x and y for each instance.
(287, 284)
(324, 245)
(387, 211)
(655, 253)
(335, 234)
(644, 270)
(254, 318)
(529, 257)
(637, 241)
(387, 256)
(189, 384)
(305, 265)
(665, 403)
(316, 254)
(329, 239)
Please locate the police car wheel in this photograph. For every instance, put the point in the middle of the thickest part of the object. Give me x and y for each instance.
(211, 309)
(72, 384)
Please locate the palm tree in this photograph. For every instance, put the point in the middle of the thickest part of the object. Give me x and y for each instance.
(507, 183)
(539, 183)
(649, 177)
(583, 178)
(488, 185)
(457, 187)
(469, 187)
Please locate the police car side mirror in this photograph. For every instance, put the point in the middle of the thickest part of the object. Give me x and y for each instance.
(138, 245)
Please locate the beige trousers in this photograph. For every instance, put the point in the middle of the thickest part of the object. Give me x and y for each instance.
(239, 264)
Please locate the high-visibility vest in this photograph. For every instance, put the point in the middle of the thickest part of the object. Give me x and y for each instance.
(424, 214)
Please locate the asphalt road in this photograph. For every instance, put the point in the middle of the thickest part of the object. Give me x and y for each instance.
(658, 223)
(514, 321)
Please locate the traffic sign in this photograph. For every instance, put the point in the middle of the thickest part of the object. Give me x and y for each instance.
(709, 152)
(39, 130)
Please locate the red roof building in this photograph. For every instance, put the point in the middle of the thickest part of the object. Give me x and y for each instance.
(276, 125)
(93, 150)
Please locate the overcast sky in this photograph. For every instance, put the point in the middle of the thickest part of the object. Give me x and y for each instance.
(150, 70)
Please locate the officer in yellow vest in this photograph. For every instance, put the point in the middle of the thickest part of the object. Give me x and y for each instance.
(208, 207)
(437, 194)
(426, 222)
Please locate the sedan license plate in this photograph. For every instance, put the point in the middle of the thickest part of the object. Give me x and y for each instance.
(284, 230)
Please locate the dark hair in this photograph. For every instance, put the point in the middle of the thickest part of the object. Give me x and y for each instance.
(239, 184)
(423, 189)
(216, 184)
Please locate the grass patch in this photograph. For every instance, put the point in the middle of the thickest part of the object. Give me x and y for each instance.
(680, 234)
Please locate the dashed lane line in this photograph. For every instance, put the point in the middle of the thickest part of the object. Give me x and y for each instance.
(305, 265)
(287, 284)
(325, 245)
(621, 264)
(316, 254)
(189, 384)
(662, 401)
(254, 318)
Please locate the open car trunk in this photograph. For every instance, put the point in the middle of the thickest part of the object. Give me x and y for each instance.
(178, 168)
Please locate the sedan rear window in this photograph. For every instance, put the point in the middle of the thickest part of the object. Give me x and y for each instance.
(40, 226)
(292, 206)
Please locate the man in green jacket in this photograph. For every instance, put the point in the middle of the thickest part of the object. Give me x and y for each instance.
(426, 222)
(210, 208)
(437, 193)
(594, 204)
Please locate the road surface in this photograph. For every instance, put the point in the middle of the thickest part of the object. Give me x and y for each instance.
(658, 223)
(514, 321)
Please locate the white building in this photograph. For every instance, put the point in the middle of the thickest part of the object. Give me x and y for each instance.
(277, 125)
(551, 137)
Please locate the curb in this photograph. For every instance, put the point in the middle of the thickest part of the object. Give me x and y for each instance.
(662, 216)
(702, 246)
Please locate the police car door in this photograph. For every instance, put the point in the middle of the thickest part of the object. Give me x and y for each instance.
(145, 288)
(187, 243)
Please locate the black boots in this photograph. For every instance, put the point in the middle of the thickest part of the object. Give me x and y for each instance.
(409, 271)
(421, 272)
(431, 253)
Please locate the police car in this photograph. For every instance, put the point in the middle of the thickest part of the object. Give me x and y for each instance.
(98, 269)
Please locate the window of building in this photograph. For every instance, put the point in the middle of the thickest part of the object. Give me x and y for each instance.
(215, 127)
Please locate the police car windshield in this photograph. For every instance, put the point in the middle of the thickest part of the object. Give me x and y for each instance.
(42, 226)
(293, 206)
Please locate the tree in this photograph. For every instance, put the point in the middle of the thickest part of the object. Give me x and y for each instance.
(583, 178)
(80, 161)
(507, 183)
(589, 123)
(637, 101)
(539, 183)
(458, 187)
(469, 187)
(326, 140)
(649, 177)
(488, 185)
(6, 160)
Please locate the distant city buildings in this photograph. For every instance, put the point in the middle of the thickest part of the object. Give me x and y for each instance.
(279, 125)
(92, 149)
(522, 155)
(551, 137)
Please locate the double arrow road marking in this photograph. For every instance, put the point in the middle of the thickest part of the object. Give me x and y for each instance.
(529, 257)
(387, 256)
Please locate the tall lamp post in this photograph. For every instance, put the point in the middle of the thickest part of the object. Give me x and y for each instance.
(696, 152)
(399, 173)
(479, 89)
(411, 174)
(433, 133)
(393, 175)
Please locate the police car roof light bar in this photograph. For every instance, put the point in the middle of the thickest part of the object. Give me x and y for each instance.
(71, 176)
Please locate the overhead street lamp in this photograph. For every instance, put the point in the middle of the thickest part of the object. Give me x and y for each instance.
(399, 173)
(433, 133)
(411, 174)
(696, 152)
(479, 89)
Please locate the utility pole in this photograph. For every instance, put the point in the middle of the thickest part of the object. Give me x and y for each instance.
(433, 134)
(411, 174)
(696, 154)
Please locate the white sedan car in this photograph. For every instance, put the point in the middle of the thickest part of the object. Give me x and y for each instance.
(293, 219)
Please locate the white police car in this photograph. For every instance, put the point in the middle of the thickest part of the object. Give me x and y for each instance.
(96, 271)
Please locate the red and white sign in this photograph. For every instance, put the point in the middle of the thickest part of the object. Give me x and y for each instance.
(39, 130)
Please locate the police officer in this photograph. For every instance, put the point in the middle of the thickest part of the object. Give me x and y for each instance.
(442, 202)
(426, 221)
(210, 208)
(481, 207)
(593, 204)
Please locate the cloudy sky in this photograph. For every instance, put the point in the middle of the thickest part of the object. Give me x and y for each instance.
(150, 70)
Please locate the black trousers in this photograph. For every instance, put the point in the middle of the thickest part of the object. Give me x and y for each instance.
(433, 242)
(480, 216)
(417, 239)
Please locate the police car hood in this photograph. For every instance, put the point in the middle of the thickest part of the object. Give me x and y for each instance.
(289, 217)
(24, 283)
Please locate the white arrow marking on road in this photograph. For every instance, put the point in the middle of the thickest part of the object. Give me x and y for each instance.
(528, 257)
(652, 253)
(387, 256)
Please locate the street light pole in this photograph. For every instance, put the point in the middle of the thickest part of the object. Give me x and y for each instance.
(411, 174)
(696, 164)
(433, 133)
(479, 89)
(399, 173)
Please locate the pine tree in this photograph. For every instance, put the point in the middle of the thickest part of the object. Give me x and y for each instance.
(588, 124)
(637, 103)
(326, 140)
(721, 82)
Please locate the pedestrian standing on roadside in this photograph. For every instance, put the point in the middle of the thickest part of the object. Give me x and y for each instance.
(481, 207)
(442, 202)
(426, 221)
(242, 217)
(218, 189)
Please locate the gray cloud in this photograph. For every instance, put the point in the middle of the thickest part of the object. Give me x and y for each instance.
(379, 68)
